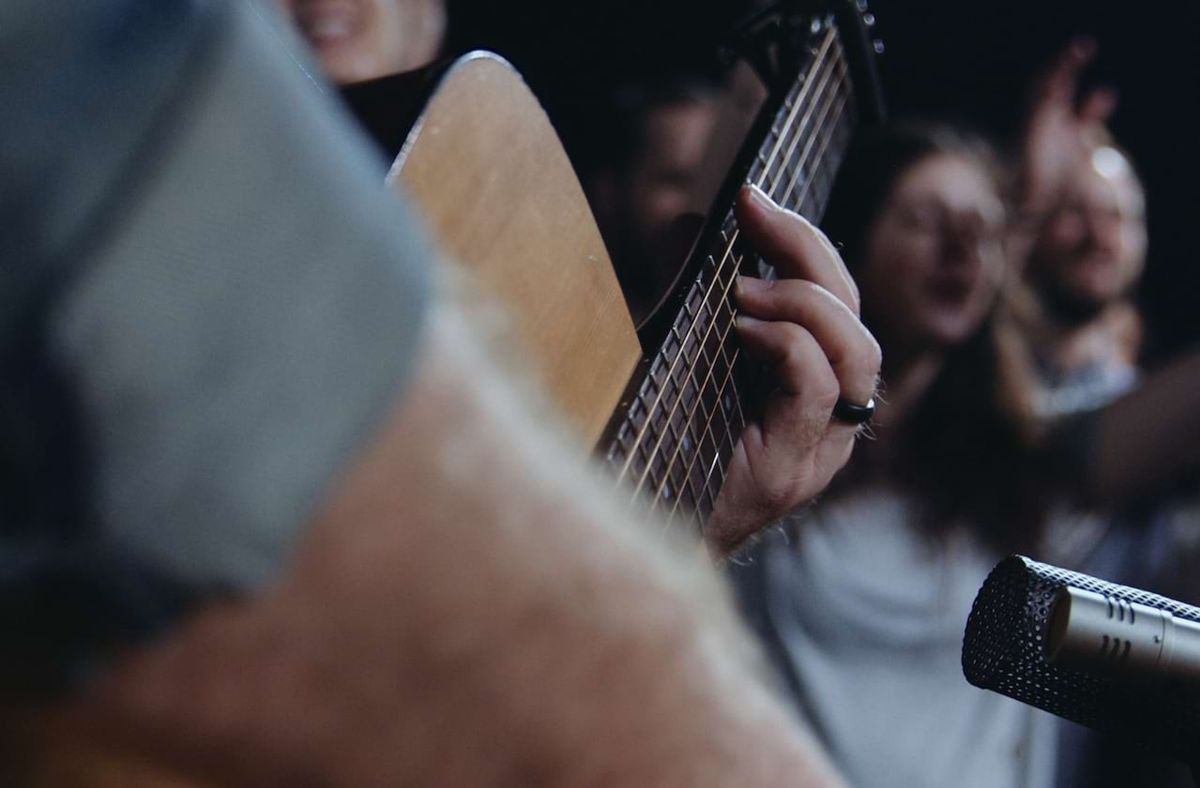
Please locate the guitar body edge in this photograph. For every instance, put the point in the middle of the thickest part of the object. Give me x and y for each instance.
(493, 183)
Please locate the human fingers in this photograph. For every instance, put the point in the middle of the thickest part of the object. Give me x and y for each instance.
(801, 365)
(853, 353)
(1057, 83)
(797, 431)
(1097, 106)
(794, 246)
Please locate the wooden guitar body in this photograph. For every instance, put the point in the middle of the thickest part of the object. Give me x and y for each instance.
(525, 231)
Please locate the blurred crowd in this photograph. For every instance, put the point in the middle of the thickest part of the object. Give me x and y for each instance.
(1000, 280)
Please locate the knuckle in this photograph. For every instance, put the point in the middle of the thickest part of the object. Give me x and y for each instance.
(874, 355)
(825, 388)
(798, 346)
(864, 361)
(779, 494)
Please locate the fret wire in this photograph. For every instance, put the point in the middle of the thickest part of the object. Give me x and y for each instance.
(725, 257)
(731, 371)
(807, 190)
(799, 102)
(812, 138)
(819, 76)
(718, 407)
(718, 268)
(702, 387)
(731, 367)
(841, 134)
(730, 364)
(709, 431)
(820, 64)
(708, 378)
(806, 123)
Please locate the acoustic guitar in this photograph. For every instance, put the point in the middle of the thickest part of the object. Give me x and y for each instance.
(662, 402)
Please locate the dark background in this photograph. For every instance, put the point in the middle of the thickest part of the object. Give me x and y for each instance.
(967, 61)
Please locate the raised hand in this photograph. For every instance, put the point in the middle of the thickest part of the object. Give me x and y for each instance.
(1059, 131)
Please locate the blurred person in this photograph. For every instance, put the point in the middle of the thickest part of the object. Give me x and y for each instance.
(357, 40)
(1085, 242)
(862, 600)
(652, 155)
(642, 172)
(272, 521)
(1086, 251)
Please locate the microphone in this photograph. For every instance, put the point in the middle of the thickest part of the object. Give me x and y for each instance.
(1108, 636)
(1123, 661)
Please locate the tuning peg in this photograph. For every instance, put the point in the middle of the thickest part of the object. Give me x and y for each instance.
(862, 5)
(869, 20)
(878, 46)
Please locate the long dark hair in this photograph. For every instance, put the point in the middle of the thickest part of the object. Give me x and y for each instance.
(964, 450)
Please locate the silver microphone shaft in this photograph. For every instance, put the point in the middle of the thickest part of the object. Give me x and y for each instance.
(1109, 636)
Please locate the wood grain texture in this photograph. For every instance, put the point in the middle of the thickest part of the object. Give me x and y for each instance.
(493, 182)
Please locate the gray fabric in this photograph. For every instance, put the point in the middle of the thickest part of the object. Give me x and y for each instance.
(863, 615)
(82, 84)
(243, 309)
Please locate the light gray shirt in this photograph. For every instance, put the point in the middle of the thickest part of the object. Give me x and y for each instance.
(864, 617)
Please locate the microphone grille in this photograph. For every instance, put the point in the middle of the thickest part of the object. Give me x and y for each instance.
(1003, 651)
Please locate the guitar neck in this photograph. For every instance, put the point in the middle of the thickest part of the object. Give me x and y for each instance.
(672, 441)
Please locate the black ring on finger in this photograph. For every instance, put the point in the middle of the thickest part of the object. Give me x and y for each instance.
(854, 414)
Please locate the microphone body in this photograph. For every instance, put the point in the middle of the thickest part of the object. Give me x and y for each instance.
(1109, 636)
(1037, 634)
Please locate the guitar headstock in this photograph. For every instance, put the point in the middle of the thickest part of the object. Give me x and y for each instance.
(779, 37)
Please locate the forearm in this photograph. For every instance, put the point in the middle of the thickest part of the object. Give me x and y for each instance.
(470, 609)
(1150, 437)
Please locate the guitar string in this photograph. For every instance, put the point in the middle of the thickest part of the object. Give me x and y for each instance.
(707, 432)
(669, 469)
(824, 145)
(730, 370)
(717, 280)
(826, 71)
(801, 100)
(728, 379)
(650, 408)
(825, 101)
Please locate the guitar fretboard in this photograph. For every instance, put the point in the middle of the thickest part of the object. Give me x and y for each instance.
(677, 435)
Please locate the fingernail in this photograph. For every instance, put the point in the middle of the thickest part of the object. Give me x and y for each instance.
(743, 322)
(760, 198)
(751, 284)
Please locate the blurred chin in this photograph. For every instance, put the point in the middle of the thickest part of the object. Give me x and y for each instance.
(949, 329)
(343, 66)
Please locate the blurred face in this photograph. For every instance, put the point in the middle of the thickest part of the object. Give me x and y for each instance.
(646, 211)
(357, 40)
(1092, 248)
(933, 257)
(662, 183)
